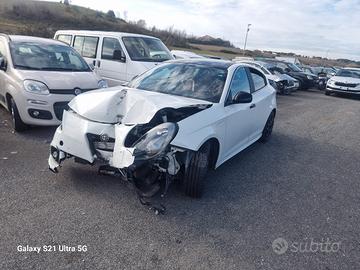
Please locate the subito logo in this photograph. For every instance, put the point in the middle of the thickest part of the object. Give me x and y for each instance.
(280, 246)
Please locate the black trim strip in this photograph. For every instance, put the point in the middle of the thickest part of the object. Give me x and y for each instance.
(68, 91)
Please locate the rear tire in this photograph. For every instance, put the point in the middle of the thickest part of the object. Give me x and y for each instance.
(268, 128)
(194, 177)
(18, 124)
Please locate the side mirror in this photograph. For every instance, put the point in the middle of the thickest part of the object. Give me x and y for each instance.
(242, 97)
(3, 64)
(119, 55)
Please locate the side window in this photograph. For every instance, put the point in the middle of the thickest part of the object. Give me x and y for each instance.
(2, 48)
(258, 79)
(239, 82)
(64, 38)
(109, 46)
(86, 46)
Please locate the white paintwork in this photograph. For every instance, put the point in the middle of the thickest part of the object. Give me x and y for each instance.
(331, 84)
(126, 105)
(185, 55)
(11, 83)
(114, 72)
(235, 126)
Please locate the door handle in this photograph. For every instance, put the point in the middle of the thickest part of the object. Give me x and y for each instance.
(252, 105)
(94, 63)
(99, 62)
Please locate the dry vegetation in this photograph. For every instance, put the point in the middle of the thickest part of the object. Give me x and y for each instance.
(44, 18)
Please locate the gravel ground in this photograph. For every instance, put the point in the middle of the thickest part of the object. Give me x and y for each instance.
(302, 186)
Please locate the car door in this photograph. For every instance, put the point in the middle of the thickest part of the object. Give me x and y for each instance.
(112, 63)
(260, 104)
(238, 124)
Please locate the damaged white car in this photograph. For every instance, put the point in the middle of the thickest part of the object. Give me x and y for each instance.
(172, 123)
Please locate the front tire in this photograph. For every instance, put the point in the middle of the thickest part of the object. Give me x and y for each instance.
(268, 128)
(18, 124)
(327, 93)
(195, 174)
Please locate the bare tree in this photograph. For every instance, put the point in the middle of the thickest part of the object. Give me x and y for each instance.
(111, 14)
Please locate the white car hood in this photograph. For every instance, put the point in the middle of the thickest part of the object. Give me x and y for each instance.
(126, 105)
(349, 80)
(57, 80)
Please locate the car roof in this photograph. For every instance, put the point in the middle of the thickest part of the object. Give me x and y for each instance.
(111, 33)
(206, 62)
(354, 68)
(18, 38)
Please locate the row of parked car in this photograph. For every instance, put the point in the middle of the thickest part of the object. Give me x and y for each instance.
(163, 121)
(38, 77)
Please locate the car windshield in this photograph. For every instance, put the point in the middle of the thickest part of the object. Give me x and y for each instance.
(274, 69)
(187, 80)
(353, 73)
(294, 67)
(146, 49)
(44, 56)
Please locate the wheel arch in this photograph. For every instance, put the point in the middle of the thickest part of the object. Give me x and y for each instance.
(214, 151)
(8, 98)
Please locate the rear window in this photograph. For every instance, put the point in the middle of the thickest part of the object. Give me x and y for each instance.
(86, 46)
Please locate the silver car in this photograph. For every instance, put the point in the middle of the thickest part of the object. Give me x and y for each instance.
(38, 77)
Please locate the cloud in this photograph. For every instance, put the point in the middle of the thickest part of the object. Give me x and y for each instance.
(310, 27)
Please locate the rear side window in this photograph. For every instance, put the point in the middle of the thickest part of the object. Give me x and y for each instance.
(109, 46)
(258, 79)
(64, 38)
(86, 46)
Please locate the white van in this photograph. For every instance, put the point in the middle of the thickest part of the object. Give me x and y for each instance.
(117, 57)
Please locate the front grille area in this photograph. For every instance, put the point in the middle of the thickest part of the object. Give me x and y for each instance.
(59, 108)
(351, 85)
(96, 142)
(68, 91)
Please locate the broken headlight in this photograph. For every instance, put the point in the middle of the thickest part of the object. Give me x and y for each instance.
(155, 141)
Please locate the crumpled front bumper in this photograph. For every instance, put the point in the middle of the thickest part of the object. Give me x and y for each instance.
(71, 139)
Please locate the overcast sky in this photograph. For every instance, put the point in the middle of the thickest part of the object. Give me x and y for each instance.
(311, 27)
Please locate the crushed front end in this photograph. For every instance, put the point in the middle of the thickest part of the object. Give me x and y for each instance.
(137, 148)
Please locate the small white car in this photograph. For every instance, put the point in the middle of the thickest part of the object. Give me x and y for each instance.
(174, 122)
(346, 81)
(38, 77)
(117, 57)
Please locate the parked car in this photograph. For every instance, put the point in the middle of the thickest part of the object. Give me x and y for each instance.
(174, 122)
(292, 60)
(322, 74)
(185, 54)
(117, 57)
(306, 80)
(283, 83)
(346, 81)
(38, 77)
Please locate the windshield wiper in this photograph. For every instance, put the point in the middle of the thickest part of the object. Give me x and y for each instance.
(61, 69)
(26, 67)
